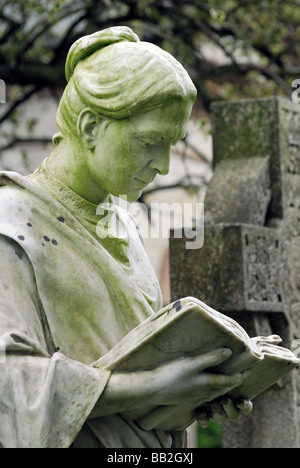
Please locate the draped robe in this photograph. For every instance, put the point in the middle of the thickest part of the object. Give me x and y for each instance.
(66, 298)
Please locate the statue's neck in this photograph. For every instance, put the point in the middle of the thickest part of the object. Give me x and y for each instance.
(69, 165)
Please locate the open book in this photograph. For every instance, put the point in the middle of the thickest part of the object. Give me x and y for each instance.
(189, 327)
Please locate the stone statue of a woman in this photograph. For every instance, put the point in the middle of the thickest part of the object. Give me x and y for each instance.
(68, 295)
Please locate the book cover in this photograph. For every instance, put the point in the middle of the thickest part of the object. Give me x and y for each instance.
(188, 327)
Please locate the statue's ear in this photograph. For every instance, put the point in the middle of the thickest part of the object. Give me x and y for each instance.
(87, 127)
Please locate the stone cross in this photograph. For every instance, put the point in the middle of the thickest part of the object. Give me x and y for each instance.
(249, 266)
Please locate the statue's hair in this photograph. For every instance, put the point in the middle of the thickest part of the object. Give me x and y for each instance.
(116, 75)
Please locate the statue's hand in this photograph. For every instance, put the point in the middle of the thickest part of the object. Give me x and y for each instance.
(189, 382)
(178, 418)
(223, 409)
(186, 382)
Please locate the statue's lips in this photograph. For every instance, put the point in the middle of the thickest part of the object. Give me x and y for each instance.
(143, 181)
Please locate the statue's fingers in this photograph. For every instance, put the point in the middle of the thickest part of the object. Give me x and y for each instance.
(212, 359)
(245, 406)
(232, 412)
(217, 411)
(202, 417)
(222, 381)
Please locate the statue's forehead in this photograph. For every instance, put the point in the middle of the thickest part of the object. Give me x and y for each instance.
(169, 121)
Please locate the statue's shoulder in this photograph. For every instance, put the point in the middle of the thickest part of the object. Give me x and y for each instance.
(15, 193)
(20, 199)
(26, 211)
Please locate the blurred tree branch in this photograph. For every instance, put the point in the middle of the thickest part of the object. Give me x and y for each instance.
(21, 140)
(16, 103)
(231, 48)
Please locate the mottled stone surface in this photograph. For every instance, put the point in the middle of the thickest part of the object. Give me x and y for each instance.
(250, 262)
(266, 128)
(236, 270)
(239, 192)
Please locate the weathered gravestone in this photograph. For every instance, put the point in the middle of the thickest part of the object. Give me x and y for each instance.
(249, 266)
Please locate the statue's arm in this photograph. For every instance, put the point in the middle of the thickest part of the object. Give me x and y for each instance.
(181, 383)
(45, 398)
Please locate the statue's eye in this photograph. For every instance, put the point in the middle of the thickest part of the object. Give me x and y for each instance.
(148, 142)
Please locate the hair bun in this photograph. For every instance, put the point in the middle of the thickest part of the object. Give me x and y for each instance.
(87, 45)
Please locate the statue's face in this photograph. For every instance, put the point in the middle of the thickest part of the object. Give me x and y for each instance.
(129, 153)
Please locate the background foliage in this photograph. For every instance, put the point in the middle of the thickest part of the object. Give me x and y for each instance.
(232, 48)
